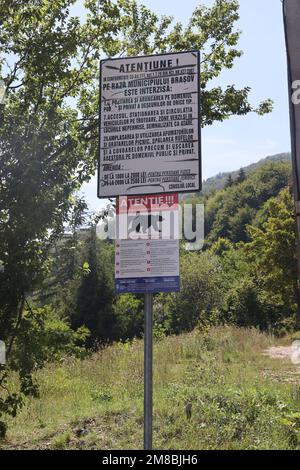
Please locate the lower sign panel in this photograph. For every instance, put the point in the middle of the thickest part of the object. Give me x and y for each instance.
(147, 266)
(148, 285)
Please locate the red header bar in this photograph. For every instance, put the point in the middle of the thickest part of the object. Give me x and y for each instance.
(149, 203)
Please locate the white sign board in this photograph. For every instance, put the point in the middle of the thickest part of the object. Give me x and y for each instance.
(149, 125)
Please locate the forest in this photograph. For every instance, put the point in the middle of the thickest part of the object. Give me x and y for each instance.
(244, 276)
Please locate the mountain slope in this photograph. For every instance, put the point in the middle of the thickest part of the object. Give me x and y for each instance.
(219, 181)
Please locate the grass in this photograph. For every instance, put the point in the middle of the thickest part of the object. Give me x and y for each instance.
(240, 398)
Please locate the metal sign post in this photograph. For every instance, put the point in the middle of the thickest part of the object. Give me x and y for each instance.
(148, 371)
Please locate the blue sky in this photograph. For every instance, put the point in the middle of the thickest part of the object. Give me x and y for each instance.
(240, 141)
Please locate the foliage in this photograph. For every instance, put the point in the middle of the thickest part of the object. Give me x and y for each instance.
(129, 314)
(43, 337)
(44, 151)
(261, 274)
(200, 294)
(243, 307)
(229, 211)
(272, 253)
(241, 176)
(248, 275)
(217, 182)
(47, 337)
(229, 181)
(90, 293)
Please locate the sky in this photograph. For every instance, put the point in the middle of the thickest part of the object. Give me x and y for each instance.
(240, 141)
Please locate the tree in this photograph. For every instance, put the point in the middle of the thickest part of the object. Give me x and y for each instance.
(200, 294)
(260, 275)
(229, 181)
(44, 155)
(241, 176)
(239, 222)
(129, 314)
(65, 258)
(272, 254)
(93, 295)
(48, 126)
(229, 211)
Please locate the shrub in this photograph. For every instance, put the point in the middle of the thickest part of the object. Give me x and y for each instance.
(128, 312)
(242, 305)
(200, 294)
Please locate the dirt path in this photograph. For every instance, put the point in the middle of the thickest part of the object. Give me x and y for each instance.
(285, 352)
(289, 353)
(290, 373)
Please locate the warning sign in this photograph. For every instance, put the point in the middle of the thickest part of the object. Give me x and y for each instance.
(147, 255)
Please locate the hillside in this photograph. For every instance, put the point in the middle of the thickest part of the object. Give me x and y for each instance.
(236, 392)
(233, 201)
(219, 181)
